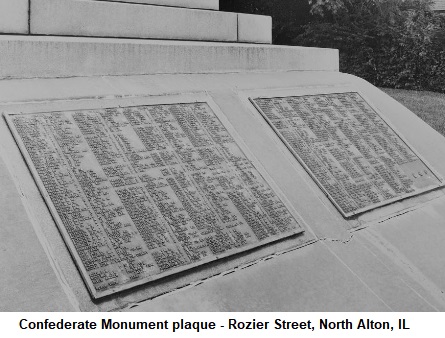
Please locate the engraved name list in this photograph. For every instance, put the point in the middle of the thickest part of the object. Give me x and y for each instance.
(147, 191)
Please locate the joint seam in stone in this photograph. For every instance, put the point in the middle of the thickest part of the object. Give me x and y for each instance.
(29, 16)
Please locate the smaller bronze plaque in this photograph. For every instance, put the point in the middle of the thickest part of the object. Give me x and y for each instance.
(356, 158)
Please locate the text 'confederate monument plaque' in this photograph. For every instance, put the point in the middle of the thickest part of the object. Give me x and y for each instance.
(144, 192)
(349, 150)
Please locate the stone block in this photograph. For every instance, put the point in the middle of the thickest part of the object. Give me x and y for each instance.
(254, 28)
(439, 5)
(203, 4)
(48, 57)
(14, 16)
(112, 19)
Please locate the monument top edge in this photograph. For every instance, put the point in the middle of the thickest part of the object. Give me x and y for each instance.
(196, 4)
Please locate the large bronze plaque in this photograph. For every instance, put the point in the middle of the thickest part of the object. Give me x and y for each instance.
(350, 151)
(143, 192)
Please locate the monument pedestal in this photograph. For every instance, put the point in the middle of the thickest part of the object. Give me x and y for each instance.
(55, 56)
(385, 259)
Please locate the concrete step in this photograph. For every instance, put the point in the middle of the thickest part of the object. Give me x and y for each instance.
(254, 28)
(50, 57)
(125, 20)
(203, 4)
(14, 16)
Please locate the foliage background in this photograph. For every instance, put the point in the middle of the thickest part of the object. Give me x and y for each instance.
(390, 43)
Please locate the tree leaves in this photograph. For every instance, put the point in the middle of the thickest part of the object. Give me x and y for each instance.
(391, 43)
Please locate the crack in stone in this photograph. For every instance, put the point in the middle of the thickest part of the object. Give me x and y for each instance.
(336, 240)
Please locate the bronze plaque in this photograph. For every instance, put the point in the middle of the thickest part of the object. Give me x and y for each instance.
(356, 158)
(144, 192)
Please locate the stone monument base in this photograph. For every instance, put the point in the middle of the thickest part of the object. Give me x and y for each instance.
(384, 259)
(85, 54)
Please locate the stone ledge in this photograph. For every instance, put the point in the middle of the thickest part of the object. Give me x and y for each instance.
(125, 20)
(203, 4)
(254, 28)
(14, 16)
(50, 57)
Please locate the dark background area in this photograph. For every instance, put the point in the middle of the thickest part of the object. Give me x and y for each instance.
(288, 16)
(390, 43)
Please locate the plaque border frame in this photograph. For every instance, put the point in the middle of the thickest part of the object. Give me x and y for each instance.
(250, 95)
(104, 103)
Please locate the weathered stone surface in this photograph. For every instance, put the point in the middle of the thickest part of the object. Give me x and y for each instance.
(28, 282)
(254, 28)
(204, 4)
(14, 16)
(26, 57)
(110, 19)
(348, 271)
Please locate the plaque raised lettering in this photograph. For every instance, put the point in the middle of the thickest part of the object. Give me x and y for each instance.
(356, 158)
(143, 192)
